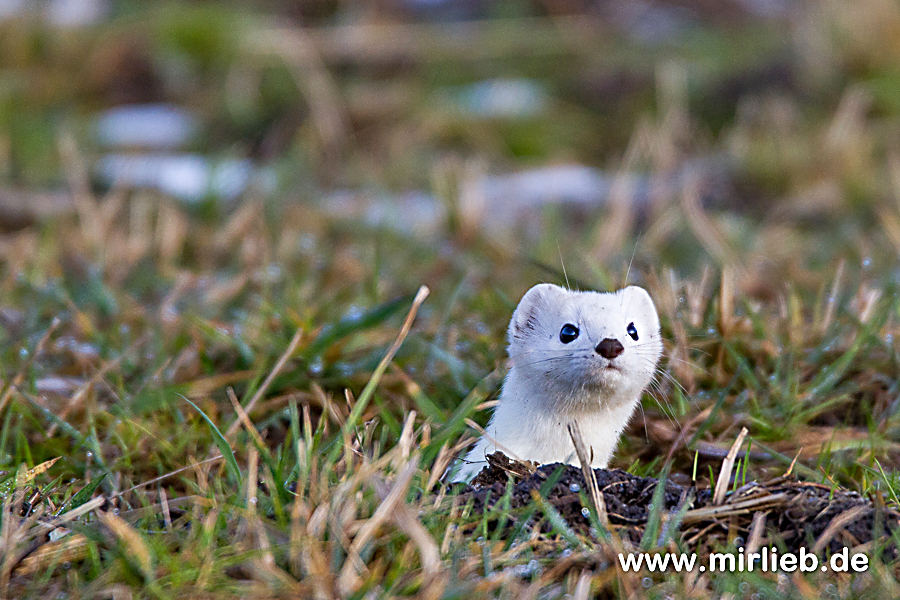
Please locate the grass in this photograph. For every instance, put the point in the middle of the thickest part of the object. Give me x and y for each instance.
(254, 402)
(330, 494)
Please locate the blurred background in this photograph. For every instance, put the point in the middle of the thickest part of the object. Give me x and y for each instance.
(206, 179)
(477, 116)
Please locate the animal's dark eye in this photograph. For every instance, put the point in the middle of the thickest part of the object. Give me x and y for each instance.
(568, 333)
(632, 331)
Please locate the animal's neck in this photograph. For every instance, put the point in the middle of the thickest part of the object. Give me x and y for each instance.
(544, 395)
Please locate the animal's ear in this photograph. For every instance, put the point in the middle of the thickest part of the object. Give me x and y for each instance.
(639, 299)
(525, 319)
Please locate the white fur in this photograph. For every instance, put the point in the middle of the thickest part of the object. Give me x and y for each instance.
(551, 383)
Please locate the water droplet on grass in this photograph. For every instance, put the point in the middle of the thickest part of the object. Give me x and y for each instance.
(354, 313)
(317, 366)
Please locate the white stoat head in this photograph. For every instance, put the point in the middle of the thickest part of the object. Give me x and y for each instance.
(570, 344)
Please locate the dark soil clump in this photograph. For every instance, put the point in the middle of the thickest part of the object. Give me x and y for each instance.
(811, 515)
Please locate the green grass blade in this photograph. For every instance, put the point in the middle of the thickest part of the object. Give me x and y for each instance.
(363, 401)
(81, 496)
(556, 520)
(654, 519)
(345, 327)
(220, 441)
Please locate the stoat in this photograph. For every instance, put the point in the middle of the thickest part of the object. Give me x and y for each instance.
(583, 356)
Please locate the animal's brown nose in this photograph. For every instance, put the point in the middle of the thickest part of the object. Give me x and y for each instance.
(610, 348)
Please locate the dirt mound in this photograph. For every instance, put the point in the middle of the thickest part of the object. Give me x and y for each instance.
(782, 511)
